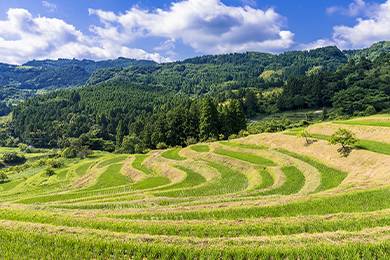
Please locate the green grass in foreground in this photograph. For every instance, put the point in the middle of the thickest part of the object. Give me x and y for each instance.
(330, 177)
(364, 201)
(173, 154)
(200, 148)
(314, 224)
(138, 163)
(25, 244)
(251, 158)
(293, 183)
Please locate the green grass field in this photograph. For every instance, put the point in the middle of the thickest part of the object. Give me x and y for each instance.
(200, 148)
(260, 197)
(173, 154)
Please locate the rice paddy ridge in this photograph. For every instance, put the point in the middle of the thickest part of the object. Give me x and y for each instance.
(266, 195)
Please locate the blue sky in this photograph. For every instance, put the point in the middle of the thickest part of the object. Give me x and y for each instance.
(171, 30)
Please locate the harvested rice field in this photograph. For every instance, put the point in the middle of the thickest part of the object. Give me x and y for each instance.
(263, 196)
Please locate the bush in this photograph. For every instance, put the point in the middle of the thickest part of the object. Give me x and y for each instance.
(162, 146)
(76, 152)
(191, 141)
(13, 158)
(3, 178)
(370, 110)
(233, 136)
(69, 152)
(49, 172)
(22, 147)
(243, 133)
(108, 146)
(55, 163)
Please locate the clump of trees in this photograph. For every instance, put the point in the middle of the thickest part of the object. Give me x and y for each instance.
(13, 158)
(346, 139)
(75, 149)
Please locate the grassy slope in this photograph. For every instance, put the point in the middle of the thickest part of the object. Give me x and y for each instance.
(251, 158)
(173, 154)
(330, 177)
(211, 213)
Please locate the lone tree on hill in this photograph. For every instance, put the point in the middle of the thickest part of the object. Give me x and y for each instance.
(346, 139)
(305, 134)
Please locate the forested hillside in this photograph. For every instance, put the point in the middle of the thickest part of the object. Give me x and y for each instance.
(201, 75)
(150, 105)
(20, 82)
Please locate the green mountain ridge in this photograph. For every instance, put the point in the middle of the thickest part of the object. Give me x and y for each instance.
(144, 106)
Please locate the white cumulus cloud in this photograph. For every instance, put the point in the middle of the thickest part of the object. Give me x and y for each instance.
(24, 37)
(366, 31)
(372, 26)
(356, 8)
(206, 26)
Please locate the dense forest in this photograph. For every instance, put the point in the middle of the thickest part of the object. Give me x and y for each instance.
(149, 105)
(21, 82)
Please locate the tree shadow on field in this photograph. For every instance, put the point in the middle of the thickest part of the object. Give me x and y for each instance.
(345, 151)
(309, 142)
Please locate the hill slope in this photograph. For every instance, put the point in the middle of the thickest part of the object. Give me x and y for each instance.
(263, 196)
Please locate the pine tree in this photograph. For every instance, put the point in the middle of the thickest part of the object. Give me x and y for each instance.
(120, 133)
(238, 115)
(208, 125)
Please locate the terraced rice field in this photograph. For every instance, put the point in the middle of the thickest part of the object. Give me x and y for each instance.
(263, 196)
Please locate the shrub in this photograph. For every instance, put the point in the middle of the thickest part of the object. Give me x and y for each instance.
(13, 158)
(370, 110)
(191, 141)
(55, 163)
(74, 152)
(108, 146)
(3, 178)
(162, 146)
(69, 152)
(49, 172)
(22, 147)
(233, 136)
(243, 133)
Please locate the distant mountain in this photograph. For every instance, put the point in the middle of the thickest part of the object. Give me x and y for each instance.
(373, 52)
(197, 75)
(229, 71)
(57, 73)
